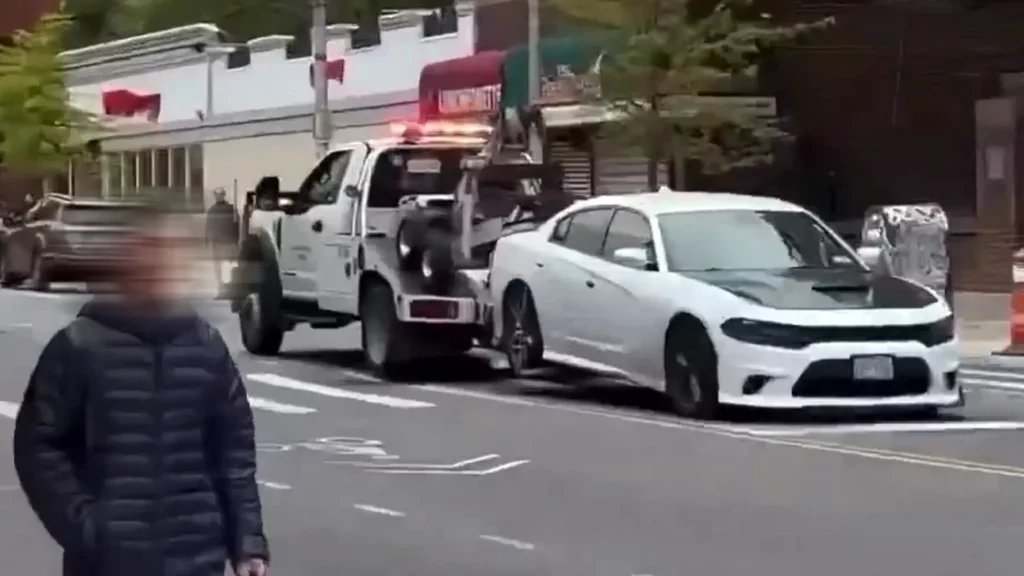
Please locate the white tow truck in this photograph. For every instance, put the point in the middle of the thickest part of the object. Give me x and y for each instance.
(396, 233)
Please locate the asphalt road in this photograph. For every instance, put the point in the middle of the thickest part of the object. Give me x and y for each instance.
(467, 474)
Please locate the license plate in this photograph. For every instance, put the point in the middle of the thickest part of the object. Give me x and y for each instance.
(872, 368)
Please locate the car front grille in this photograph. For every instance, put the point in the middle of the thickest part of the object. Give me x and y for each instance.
(834, 378)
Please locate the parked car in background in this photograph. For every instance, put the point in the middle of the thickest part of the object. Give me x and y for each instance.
(62, 239)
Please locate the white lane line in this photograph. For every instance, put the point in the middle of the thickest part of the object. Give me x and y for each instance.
(9, 409)
(987, 374)
(379, 399)
(279, 407)
(517, 544)
(379, 510)
(455, 466)
(273, 485)
(884, 427)
(910, 458)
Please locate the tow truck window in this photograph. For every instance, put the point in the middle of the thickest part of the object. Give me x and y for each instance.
(414, 171)
(324, 184)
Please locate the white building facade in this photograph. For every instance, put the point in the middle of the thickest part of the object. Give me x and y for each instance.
(186, 116)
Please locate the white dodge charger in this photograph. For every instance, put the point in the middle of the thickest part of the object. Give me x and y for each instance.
(721, 299)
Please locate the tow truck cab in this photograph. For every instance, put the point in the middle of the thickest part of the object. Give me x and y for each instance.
(368, 235)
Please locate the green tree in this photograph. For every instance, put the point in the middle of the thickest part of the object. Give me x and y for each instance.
(95, 21)
(42, 130)
(666, 58)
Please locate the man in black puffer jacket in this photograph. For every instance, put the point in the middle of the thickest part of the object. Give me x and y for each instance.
(134, 443)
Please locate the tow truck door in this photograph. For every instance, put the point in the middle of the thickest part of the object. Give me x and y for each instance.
(337, 274)
(316, 215)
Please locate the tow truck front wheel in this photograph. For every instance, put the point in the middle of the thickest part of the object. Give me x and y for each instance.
(260, 335)
(382, 333)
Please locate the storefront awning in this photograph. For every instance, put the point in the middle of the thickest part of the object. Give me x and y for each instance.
(569, 70)
(125, 103)
(462, 87)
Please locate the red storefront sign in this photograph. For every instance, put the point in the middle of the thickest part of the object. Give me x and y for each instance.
(126, 103)
(335, 70)
(463, 87)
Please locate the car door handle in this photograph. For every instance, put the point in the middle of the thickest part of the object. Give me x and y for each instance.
(590, 283)
(540, 264)
(318, 226)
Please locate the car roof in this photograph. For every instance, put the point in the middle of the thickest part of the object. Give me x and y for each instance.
(669, 201)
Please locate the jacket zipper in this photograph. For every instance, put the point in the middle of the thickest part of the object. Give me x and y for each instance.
(158, 524)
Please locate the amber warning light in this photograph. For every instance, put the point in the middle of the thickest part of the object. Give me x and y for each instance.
(416, 130)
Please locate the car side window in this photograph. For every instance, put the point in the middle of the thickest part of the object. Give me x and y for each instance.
(587, 232)
(561, 230)
(323, 185)
(629, 229)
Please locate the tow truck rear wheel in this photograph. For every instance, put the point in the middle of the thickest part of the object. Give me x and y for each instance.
(382, 333)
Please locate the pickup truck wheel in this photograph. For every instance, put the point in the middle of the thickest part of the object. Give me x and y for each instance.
(260, 334)
(382, 333)
(38, 279)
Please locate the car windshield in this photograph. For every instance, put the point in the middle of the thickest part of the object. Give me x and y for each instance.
(749, 240)
(95, 215)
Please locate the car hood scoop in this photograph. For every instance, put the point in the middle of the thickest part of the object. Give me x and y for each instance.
(818, 289)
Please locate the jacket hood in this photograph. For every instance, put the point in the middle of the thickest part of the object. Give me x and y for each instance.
(146, 324)
(819, 289)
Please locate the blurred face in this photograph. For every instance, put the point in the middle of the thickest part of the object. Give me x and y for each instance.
(154, 266)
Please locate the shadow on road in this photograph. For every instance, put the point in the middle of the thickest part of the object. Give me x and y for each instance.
(465, 370)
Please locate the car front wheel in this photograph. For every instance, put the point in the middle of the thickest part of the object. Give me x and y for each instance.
(691, 370)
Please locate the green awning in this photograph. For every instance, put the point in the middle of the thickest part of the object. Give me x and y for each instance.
(568, 69)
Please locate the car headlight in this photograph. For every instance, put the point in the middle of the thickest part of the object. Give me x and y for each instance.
(940, 332)
(766, 333)
(404, 247)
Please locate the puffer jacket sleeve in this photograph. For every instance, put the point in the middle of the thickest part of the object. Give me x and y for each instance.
(47, 429)
(234, 457)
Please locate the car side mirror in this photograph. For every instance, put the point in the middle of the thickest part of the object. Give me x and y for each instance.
(352, 191)
(634, 258)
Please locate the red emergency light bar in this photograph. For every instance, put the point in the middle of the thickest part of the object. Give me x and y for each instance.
(417, 130)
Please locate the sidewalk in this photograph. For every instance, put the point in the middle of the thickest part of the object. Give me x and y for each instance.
(983, 322)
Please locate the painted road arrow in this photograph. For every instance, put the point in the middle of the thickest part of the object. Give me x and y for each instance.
(457, 469)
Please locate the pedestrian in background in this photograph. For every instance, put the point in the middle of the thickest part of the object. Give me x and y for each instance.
(134, 443)
(221, 233)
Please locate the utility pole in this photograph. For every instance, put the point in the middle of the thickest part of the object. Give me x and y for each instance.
(533, 73)
(322, 129)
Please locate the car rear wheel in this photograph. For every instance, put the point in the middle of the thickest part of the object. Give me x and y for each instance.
(521, 336)
(6, 277)
(691, 370)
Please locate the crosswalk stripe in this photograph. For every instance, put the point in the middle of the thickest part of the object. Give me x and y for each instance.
(258, 403)
(379, 399)
(9, 409)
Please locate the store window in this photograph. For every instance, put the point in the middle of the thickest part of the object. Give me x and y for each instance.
(161, 170)
(145, 167)
(129, 171)
(195, 176)
(86, 177)
(113, 170)
(440, 22)
(179, 170)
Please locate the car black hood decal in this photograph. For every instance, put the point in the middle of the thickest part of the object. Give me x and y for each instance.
(818, 289)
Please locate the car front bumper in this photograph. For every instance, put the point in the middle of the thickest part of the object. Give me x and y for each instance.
(821, 376)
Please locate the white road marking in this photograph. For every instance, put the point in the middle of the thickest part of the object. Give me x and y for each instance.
(379, 510)
(9, 409)
(517, 544)
(379, 399)
(273, 485)
(806, 444)
(488, 472)
(360, 376)
(473, 394)
(877, 427)
(455, 466)
(279, 407)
